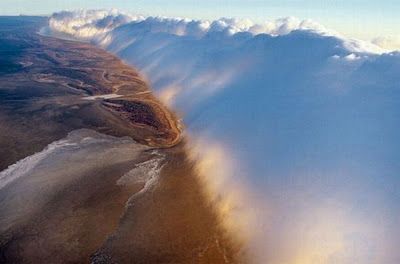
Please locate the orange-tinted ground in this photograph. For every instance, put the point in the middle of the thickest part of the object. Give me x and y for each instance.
(78, 214)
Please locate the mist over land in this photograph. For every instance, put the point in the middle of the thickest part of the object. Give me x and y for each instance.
(289, 153)
(297, 126)
(93, 168)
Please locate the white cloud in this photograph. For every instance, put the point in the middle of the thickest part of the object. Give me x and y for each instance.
(305, 117)
(86, 24)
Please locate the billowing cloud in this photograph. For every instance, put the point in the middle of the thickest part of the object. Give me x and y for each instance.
(88, 23)
(295, 127)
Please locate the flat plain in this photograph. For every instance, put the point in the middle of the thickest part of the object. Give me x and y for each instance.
(70, 210)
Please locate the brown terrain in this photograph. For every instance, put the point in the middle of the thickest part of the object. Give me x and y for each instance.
(92, 70)
(75, 212)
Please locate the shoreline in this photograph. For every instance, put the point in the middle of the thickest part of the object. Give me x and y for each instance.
(86, 209)
(123, 82)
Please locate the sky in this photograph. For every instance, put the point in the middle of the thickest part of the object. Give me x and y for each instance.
(364, 19)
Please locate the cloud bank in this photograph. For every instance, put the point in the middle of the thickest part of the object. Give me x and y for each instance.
(87, 24)
(296, 128)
